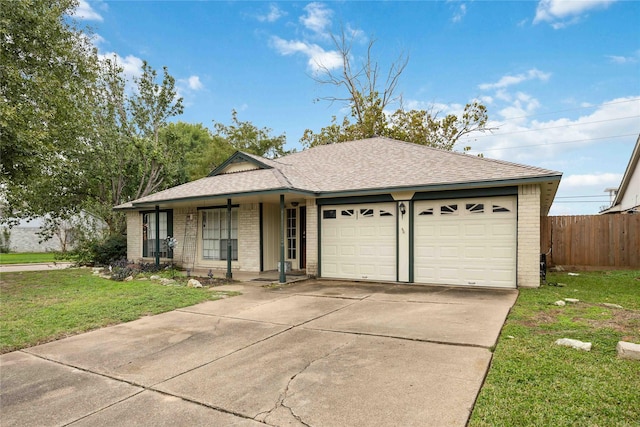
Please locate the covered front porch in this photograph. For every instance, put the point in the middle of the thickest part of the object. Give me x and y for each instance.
(262, 237)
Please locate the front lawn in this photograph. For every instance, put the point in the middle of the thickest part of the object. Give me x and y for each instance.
(38, 307)
(26, 257)
(533, 382)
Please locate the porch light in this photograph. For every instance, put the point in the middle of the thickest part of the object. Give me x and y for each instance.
(403, 209)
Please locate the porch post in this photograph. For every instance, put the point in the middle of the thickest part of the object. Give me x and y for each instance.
(229, 245)
(283, 276)
(157, 236)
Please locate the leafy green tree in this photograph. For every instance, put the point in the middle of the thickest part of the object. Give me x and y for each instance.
(369, 104)
(202, 152)
(151, 107)
(245, 136)
(47, 71)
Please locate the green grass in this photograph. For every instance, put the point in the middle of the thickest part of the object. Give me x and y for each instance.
(26, 257)
(533, 382)
(37, 307)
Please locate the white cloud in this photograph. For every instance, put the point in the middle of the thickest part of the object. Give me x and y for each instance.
(618, 59)
(273, 15)
(459, 13)
(194, 83)
(522, 138)
(510, 80)
(599, 180)
(317, 18)
(85, 12)
(131, 65)
(318, 58)
(561, 13)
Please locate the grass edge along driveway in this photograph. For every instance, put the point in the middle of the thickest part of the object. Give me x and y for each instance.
(532, 381)
(38, 307)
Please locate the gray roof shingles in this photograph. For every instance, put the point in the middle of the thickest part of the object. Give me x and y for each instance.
(368, 164)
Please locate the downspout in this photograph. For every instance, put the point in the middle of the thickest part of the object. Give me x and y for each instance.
(283, 276)
(229, 246)
(157, 236)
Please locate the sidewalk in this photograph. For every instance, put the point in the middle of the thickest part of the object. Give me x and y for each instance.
(36, 266)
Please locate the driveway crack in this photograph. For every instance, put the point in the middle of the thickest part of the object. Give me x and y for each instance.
(285, 393)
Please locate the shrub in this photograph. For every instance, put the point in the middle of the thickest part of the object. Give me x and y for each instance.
(110, 250)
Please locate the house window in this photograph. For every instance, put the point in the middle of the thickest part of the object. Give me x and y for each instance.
(149, 233)
(347, 212)
(291, 233)
(214, 234)
(385, 213)
(497, 208)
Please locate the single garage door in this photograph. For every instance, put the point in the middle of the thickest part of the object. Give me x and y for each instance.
(466, 241)
(359, 241)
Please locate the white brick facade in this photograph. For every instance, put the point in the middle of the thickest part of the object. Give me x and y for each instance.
(249, 237)
(134, 236)
(528, 275)
(312, 237)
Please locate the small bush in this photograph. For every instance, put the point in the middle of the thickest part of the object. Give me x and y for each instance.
(110, 250)
(97, 251)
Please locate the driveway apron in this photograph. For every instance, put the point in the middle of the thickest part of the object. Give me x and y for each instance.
(314, 353)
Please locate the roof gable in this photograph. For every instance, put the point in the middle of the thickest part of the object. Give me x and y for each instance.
(239, 162)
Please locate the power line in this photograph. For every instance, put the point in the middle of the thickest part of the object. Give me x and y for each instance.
(576, 197)
(559, 142)
(581, 201)
(572, 109)
(555, 127)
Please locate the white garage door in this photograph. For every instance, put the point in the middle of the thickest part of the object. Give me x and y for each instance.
(359, 241)
(466, 241)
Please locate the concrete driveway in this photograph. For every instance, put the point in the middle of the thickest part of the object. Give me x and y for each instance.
(315, 353)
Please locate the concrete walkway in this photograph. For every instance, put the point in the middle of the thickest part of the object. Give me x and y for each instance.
(313, 353)
(36, 266)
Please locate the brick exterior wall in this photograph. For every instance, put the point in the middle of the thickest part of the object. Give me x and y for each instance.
(134, 236)
(528, 274)
(185, 231)
(312, 238)
(249, 237)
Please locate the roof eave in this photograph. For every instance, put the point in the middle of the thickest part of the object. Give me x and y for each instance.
(136, 206)
(445, 186)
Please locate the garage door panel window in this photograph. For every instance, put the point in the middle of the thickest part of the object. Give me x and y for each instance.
(448, 209)
(475, 208)
(329, 214)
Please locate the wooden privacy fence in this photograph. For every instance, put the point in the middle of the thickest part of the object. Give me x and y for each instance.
(591, 241)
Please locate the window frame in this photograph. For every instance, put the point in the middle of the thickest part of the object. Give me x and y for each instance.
(221, 233)
(146, 253)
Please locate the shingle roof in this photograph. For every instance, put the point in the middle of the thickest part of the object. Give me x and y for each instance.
(356, 166)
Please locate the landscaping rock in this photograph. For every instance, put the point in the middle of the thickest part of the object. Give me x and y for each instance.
(577, 344)
(105, 276)
(628, 350)
(560, 303)
(165, 281)
(193, 283)
(154, 277)
(606, 304)
(128, 278)
(572, 300)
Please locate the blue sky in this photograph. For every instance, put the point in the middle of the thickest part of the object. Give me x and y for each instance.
(560, 79)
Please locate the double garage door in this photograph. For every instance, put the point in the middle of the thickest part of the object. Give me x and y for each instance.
(455, 242)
